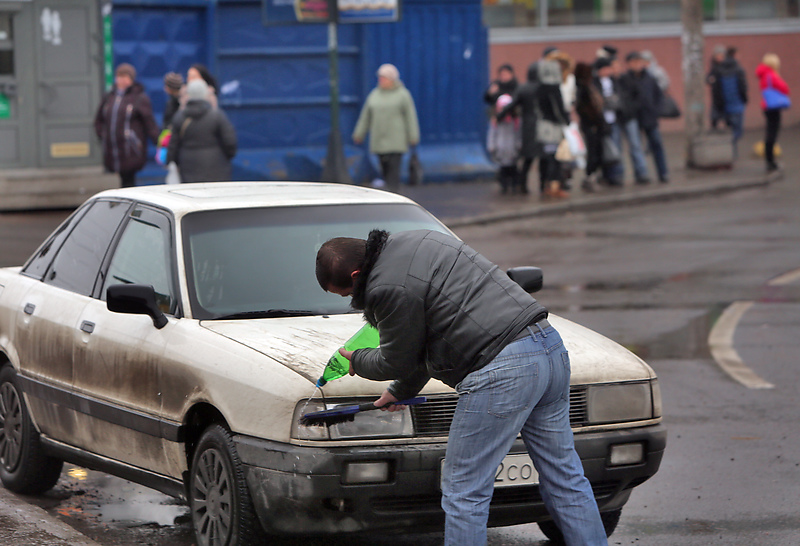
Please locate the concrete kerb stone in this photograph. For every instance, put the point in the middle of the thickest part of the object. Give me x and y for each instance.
(610, 201)
(23, 523)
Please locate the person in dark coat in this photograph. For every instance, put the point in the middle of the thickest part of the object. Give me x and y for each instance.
(589, 107)
(124, 121)
(203, 140)
(628, 123)
(729, 91)
(648, 104)
(551, 113)
(505, 84)
(525, 100)
(173, 82)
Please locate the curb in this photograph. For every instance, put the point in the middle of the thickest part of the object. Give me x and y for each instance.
(23, 523)
(610, 201)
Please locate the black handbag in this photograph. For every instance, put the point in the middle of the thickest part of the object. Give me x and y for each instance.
(668, 108)
(415, 173)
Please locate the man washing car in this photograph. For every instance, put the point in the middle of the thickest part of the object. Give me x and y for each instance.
(444, 311)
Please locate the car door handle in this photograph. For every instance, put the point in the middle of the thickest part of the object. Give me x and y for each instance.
(29, 308)
(87, 326)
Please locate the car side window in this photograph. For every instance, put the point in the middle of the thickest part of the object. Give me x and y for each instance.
(37, 264)
(78, 261)
(144, 256)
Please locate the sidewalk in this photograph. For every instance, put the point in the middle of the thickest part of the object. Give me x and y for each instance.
(459, 204)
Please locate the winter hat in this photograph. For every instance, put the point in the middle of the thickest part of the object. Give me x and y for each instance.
(647, 55)
(719, 49)
(602, 62)
(173, 80)
(389, 71)
(127, 70)
(197, 90)
(633, 56)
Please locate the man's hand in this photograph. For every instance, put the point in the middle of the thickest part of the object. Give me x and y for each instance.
(349, 356)
(387, 398)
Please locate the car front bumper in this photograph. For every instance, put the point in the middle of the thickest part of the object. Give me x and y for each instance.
(299, 489)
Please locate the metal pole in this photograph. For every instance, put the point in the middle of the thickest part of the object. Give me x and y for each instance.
(335, 169)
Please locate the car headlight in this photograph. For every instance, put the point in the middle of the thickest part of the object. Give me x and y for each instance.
(622, 402)
(367, 424)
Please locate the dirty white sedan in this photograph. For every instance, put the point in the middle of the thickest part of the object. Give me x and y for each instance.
(172, 335)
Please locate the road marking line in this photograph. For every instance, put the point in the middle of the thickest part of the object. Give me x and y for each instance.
(786, 278)
(720, 341)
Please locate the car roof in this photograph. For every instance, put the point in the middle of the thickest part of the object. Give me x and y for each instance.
(184, 198)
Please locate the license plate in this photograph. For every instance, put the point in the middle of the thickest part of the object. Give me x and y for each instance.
(514, 470)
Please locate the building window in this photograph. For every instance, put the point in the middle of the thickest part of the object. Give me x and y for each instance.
(556, 13)
(588, 12)
(760, 9)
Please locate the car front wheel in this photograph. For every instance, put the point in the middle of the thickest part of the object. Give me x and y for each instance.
(24, 468)
(222, 510)
(610, 521)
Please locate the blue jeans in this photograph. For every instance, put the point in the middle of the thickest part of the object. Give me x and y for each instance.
(735, 120)
(525, 388)
(656, 146)
(631, 130)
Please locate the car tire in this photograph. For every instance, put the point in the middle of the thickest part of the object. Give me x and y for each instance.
(221, 507)
(24, 467)
(551, 530)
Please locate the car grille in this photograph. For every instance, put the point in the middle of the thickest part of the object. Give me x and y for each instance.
(503, 496)
(434, 416)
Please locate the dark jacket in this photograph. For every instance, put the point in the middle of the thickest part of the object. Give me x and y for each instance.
(503, 88)
(619, 101)
(630, 97)
(728, 86)
(124, 123)
(589, 101)
(525, 100)
(170, 109)
(203, 143)
(442, 309)
(645, 95)
(549, 102)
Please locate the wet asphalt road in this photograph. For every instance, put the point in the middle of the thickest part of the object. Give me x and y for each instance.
(655, 278)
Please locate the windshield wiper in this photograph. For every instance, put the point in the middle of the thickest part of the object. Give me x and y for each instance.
(269, 313)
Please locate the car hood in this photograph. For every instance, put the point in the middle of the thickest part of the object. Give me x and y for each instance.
(304, 345)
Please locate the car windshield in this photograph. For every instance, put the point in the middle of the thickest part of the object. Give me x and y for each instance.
(259, 262)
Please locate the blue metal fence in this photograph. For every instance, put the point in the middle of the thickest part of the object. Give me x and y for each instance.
(274, 80)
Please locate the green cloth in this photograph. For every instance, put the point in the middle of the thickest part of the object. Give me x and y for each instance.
(390, 118)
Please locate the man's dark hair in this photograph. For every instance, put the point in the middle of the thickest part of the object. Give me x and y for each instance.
(337, 259)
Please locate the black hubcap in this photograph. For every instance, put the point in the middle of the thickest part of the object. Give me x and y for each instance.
(212, 506)
(10, 427)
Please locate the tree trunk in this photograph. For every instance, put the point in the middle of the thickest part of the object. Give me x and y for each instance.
(693, 71)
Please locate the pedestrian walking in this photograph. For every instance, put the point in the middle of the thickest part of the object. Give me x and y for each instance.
(173, 84)
(593, 126)
(390, 118)
(524, 101)
(775, 98)
(607, 85)
(630, 106)
(505, 84)
(203, 140)
(123, 122)
(552, 118)
(503, 141)
(717, 100)
(444, 311)
(645, 87)
(729, 90)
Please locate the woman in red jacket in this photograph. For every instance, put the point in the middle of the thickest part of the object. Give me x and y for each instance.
(771, 81)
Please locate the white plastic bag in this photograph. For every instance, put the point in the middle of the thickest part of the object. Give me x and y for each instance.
(173, 177)
(575, 140)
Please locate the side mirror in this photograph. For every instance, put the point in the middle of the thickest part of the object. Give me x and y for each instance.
(528, 277)
(135, 299)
